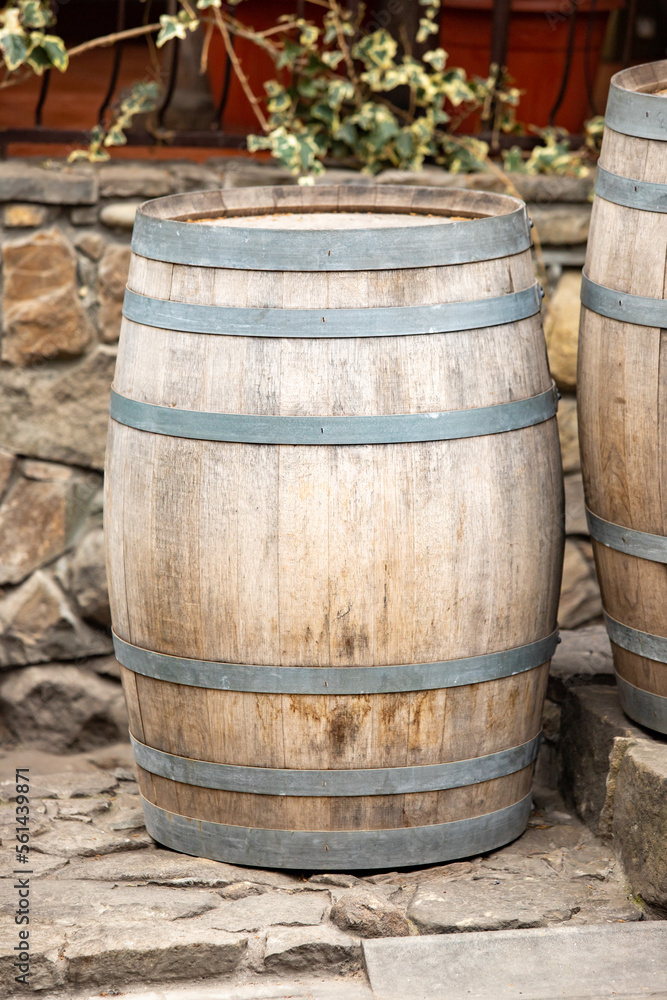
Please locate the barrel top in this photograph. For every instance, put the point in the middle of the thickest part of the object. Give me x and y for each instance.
(637, 103)
(331, 228)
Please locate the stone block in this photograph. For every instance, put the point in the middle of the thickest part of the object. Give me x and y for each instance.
(152, 952)
(24, 216)
(7, 461)
(119, 214)
(561, 329)
(38, 624)
(568, 432)
(195, 177)
(257, 911)
(363, 912)
(591, 720)
(59, 414)
(41, 516)
(64, 786)
(129, 180)
(111, 281)
(91, 244)
(488, 904)
(580, 599)
(47, 965)
(42, 312)
(61, 184)
(83, 575)
(83, 216)
(582, 656)
(639, 824)
(311, 949)
(561, 225)
(81, 840)
(63, 708)
(575, 505)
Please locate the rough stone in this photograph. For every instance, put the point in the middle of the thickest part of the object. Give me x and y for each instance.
(195, 177)
(63, 708)
(311, 949)
(583, 655)
(47, 966)
(41, 517)
(119, 214)
(561, 224)
(561, 329)
(59, 415)
(532, 188)
(91, 244)
(161, 950)
(592, 718)
(72, 840)
(58, 185)
(258, 911)
(86, 216)
(24, 216)
(640, 820)
(568, 432)
(106, 666)
(7, 461)
(82, 809)
(341, 879)
(77, 904)
(64, 786)
(361, 911)
(580, 599)
(42, 312)
(112, 278)
(488, 904)
(575, 505)
(240, 890)
(162, 867)
(38, 624)
(128, 819)
(83, 575)
(129, 180)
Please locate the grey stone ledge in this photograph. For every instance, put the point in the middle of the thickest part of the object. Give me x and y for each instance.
(57, 185)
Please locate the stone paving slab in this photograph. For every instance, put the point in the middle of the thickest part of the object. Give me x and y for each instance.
(623, 962)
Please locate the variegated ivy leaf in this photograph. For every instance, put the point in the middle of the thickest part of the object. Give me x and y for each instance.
(338, 92)
(205, 4)
(426, 27)
(38, 60)
(15, 46)
(437, 58)
(332, 58)
(35, 14)
(309, 33)
(175, 26)
(378, 49)
(55, 51)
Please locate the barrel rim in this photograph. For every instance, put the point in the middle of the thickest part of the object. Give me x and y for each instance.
(162, 232)
(634, 111)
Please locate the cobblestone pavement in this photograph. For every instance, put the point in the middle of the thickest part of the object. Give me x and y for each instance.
(110, 908)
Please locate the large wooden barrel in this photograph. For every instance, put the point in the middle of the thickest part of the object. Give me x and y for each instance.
(622, 387)
(334, 522)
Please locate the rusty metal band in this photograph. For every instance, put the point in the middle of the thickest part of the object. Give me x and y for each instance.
(626, 308)
(644, 707)
(337, 850)
(643, 195)
(397, 321)
(366, 781)
(400, 428)
(633, 543)
(334, 680)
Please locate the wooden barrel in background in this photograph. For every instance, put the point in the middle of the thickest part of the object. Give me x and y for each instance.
(622, 387)
(334, 522)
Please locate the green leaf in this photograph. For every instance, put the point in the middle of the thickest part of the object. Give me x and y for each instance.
(15, 47)
(338, 92)
(115, 136)
(204, 4)
(332, 58)
(437, 58)
(35, 14)
(175, 26)
(38, 60)
(56, 51)
(378, 49)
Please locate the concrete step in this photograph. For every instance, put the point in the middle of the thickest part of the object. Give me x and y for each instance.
(349, 988)
(598, 962)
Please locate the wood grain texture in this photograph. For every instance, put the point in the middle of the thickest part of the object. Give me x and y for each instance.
(334, 556)
(622, 395)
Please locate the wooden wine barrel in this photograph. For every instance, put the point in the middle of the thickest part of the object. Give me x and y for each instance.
(334, 523)
(622, 390)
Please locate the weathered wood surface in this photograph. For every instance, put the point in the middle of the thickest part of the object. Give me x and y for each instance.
(622, 395)
(334, 556)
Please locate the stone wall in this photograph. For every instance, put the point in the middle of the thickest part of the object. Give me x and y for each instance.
(65, 252)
